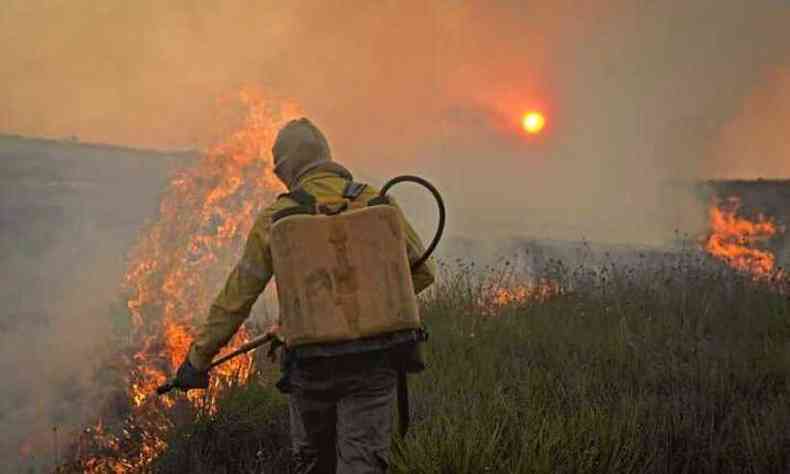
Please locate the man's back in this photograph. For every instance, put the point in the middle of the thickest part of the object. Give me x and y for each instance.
(340, 398)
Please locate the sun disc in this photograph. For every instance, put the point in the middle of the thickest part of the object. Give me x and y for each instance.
(533, 122)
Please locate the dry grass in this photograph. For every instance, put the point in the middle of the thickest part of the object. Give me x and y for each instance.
(668, 366)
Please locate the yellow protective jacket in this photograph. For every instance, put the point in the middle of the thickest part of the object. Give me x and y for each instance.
(253, 272)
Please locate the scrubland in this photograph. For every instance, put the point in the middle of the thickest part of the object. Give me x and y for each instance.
(671, 365)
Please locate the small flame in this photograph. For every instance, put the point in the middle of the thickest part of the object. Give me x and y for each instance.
(496, 296)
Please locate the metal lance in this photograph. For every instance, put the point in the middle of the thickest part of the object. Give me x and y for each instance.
(253, 344)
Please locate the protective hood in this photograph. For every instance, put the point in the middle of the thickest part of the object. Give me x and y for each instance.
(300, 147)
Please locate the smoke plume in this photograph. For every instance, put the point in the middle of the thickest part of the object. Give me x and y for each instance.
(754, 144)
(636, 94)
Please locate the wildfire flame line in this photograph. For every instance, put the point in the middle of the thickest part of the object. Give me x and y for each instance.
(173, 274)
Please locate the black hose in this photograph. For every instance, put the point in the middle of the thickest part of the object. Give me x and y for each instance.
(439, 202)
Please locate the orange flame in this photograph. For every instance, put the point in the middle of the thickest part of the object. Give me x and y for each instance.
(205, 215)
(734, 239)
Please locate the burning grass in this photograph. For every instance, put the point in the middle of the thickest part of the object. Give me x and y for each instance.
(174, 269)
(737, 240)
(677, 365)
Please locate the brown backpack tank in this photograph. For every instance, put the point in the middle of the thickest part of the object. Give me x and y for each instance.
(342, 272)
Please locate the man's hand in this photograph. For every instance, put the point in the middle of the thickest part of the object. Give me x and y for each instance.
(273, 330)
(189, 377)
(275, 344)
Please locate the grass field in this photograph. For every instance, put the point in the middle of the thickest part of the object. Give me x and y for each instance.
(670, 366)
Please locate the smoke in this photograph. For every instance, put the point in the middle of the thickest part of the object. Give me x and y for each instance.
(49, 352)
(636, 95)
(68, 215)
(53, 339)
(754, 143)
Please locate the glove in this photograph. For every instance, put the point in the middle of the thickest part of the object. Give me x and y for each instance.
(275, 343)
(188, 377)
(273, 346)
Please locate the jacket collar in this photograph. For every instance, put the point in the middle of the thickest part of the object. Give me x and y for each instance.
(325, 170)
(314, 176)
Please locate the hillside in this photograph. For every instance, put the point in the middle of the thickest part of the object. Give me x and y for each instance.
(58, 197)
(51, 182)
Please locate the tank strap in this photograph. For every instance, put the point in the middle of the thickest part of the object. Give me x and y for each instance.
(307, 202)
(302, 197)
(306, 205)
(379, 200)
(353, 190)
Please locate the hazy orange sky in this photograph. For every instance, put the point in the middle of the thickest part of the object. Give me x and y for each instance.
(636, 93)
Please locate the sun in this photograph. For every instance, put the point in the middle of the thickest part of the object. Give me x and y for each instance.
(533, 122)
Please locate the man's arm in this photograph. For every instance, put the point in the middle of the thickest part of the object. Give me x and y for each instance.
(233, 304)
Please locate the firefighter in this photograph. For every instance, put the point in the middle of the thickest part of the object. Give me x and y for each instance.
(341, 395)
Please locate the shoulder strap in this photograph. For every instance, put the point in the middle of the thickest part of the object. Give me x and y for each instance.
(353, 190)
(305, 200)
(301, 196)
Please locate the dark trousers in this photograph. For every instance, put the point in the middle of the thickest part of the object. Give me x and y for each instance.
(341, 413)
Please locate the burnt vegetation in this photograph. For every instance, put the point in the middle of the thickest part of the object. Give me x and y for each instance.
(667, 366)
